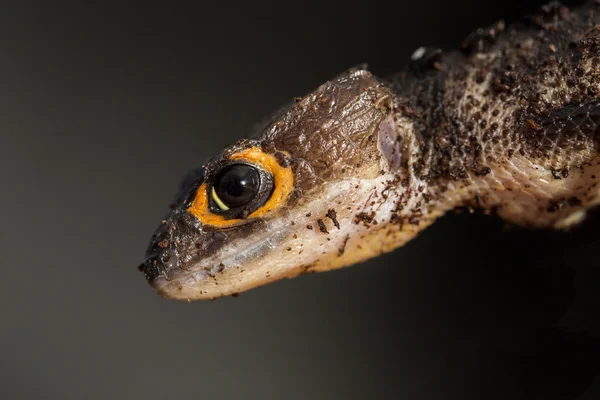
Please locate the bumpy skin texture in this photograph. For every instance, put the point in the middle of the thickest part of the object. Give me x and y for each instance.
(514, 99)
(507, 124)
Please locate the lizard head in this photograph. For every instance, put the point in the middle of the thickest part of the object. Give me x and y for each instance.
(289, 202)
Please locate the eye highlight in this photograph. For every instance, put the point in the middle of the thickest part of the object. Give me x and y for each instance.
(249, 185)
(217, 200)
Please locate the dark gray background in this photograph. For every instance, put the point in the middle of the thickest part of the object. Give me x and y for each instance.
(102, 111)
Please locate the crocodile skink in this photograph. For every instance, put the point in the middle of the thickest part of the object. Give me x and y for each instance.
(509, 124)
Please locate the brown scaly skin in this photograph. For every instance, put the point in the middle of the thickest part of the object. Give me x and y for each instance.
(524, 94)
(507, 124)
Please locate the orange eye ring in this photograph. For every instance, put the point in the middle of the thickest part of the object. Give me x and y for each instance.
(283, 184)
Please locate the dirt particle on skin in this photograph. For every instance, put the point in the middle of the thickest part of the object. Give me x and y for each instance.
(308, 215)
(342, 249)
(484, 171)
(295, 236)
(565, 173)
(414, 220)
(396, 219)
(363, 217)
(163, 243)
(322, 226)
(534, 125)
(332, 215)
(309, 227)
(307, 268)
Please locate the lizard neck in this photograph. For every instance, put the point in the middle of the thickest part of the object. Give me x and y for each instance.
(510, 124)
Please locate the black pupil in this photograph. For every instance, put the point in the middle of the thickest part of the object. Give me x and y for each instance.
(237, 185)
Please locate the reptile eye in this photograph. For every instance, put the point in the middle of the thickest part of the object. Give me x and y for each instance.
(239, 189)
(250, 184)
(236, 186)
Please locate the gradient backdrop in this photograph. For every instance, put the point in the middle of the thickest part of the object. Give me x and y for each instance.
(104, 108)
